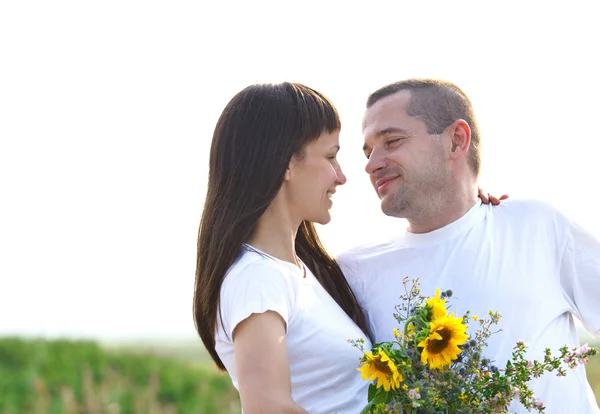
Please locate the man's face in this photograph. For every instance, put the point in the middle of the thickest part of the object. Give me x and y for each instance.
(408, 166)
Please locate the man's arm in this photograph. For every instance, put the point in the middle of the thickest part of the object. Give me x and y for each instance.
(580, 276)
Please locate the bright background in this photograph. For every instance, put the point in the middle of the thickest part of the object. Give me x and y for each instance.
(107, 111)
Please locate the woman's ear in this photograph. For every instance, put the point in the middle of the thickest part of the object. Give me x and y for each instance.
(290, 169)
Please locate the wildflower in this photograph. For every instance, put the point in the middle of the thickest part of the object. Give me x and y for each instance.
(382, 369)
(440, 348)
(412, 394)
(396, 333)
(475, 317)
(521, 345)
(516, 392)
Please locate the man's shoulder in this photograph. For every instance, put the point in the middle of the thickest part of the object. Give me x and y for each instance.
(529, 216)
(524, 207)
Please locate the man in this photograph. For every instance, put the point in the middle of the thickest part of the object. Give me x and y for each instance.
(523, 259)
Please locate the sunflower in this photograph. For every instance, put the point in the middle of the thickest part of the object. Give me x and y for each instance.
(440, 348)
(437, 305)
(382, 369)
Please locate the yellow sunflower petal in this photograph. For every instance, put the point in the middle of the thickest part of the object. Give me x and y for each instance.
(437, 305)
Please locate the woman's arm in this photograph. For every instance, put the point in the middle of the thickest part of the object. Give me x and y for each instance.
(262, 365)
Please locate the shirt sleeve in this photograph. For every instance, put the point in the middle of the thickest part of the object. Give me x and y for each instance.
(256, 288)
(580, 276)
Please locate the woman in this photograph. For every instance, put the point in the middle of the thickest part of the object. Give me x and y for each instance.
(271, 305)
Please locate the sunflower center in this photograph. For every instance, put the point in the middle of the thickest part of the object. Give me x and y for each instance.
(381, 366)
(436, 346)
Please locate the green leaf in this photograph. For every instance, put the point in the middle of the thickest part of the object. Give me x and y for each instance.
(372, 391)
(381, 396)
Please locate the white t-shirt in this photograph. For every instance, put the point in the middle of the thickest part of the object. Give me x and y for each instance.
(523, 259)
(322, 363)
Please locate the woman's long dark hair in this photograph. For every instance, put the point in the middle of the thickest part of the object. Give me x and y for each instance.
(258, 133)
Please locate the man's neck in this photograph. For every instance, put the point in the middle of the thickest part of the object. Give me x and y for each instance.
(446, 211)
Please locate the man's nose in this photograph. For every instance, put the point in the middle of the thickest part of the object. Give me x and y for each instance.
(376, 162)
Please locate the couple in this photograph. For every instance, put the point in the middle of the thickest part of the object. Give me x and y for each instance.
(275, 310)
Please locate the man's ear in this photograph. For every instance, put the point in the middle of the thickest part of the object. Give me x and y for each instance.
(460, 138)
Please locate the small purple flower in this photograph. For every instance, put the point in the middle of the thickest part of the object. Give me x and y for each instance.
(413, 394)
(582, 350)
(516, 391)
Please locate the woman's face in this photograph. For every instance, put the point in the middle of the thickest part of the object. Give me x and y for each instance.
(313, 179)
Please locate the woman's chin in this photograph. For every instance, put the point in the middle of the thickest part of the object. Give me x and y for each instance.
(323, 219)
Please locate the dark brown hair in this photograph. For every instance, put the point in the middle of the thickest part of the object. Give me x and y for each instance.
(256, 136)
(438, 104)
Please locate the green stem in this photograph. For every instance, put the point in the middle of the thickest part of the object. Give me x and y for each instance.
(367, 408)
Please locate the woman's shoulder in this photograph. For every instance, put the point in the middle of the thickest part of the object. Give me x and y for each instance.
(253, 267)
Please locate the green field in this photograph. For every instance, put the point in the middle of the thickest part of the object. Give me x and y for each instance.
(593, 374)
(75, 377)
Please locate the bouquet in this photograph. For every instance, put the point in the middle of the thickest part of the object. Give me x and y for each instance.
(433, 366)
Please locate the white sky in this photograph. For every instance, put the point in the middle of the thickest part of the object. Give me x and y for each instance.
(107, 111)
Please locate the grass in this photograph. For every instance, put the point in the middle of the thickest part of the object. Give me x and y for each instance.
(83, 377)
(593, 374)
(73, 377)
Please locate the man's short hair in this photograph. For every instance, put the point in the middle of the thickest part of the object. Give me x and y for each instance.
(438, 104)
